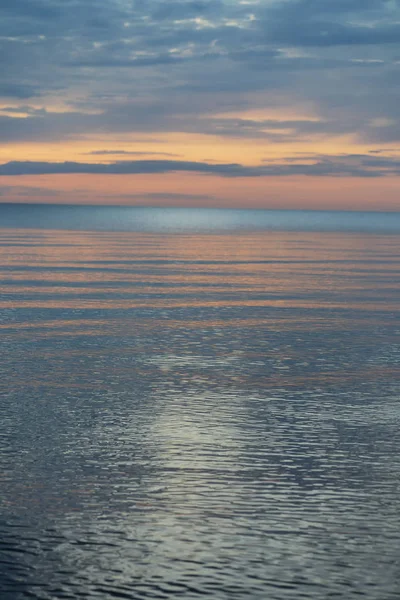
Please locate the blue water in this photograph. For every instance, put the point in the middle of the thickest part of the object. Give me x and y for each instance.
(125, 218)
(199, 404)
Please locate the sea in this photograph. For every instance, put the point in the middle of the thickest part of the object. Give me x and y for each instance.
(199, 403)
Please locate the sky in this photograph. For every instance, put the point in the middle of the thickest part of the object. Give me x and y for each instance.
(242, 103)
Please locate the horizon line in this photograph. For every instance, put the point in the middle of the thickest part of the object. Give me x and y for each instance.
(177, 207)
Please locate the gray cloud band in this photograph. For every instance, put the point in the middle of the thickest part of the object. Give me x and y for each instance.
(352, 165)
(199, 56)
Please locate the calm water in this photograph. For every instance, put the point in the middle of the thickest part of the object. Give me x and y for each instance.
(200, 406)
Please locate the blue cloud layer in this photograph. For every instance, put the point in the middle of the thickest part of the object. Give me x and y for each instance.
(350, 165)
(152, 65)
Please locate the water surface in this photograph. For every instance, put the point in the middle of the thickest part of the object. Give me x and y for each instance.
(203, 412)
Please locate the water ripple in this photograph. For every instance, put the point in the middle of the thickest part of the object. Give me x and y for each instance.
(206, 415)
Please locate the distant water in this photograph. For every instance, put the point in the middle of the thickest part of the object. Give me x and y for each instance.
(199, 404)
(127, 218)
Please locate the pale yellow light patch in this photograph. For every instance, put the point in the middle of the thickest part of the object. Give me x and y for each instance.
(190, 147)
(278, 113)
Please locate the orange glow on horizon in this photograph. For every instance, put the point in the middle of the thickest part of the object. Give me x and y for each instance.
(195, 189)
(192, 189)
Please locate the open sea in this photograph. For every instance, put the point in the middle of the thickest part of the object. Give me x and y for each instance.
(199, 403)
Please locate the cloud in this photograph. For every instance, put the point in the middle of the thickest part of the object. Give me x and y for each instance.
(326, 33)
(184, 117)
(20, 91)
(346, 165)
(155, 66)
(27, 191)
(42, 125)
(124, 168)
(384, 150)
(19, 192)
(300, 23)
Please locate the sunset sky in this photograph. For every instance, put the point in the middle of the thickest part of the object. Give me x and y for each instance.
(244, 103)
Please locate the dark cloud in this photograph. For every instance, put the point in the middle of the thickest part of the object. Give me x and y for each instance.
(18, 90)
(152, 65)
(147, 117)
(326, 33)
(184, 10)
(192, 115)
(124, 167)
(324, 23)
(346, 165)
(101, 61)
